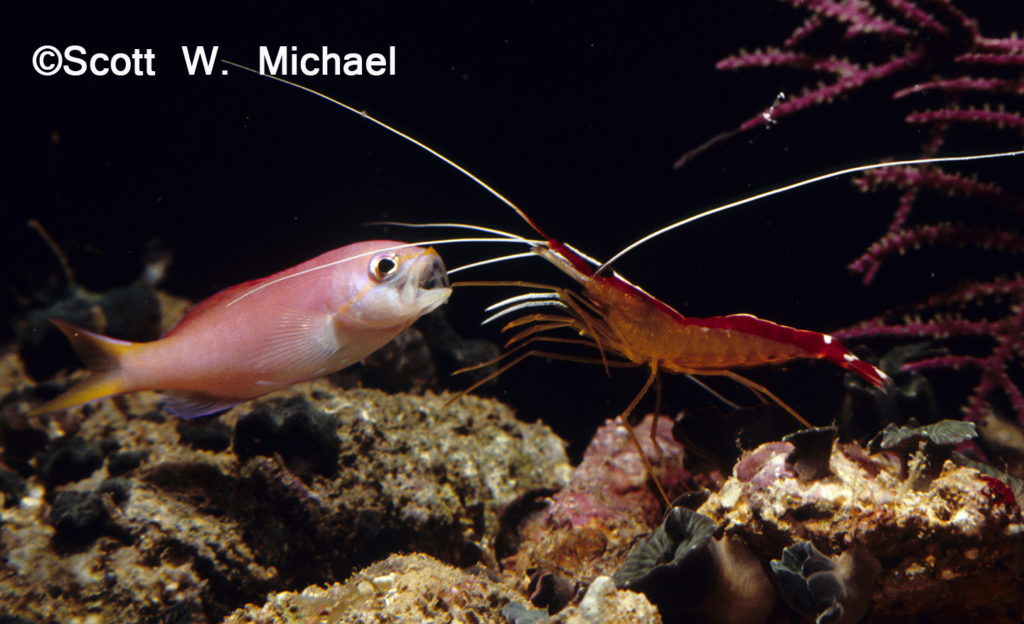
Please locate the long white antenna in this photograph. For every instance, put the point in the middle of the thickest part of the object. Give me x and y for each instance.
(395, 131)
(796, 185)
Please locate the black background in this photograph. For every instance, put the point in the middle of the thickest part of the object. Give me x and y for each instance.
(576, 114)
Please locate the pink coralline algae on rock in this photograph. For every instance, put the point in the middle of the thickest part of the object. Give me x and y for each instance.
(584, 530)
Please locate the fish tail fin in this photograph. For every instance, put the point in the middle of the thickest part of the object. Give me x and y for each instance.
(102, 355)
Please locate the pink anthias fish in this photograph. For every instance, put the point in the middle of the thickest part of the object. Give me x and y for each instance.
(254, 338)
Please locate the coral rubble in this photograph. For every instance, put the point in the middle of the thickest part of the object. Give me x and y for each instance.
(417, 588)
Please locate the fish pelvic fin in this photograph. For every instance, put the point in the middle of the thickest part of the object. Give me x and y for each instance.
(102, 355)
(189, 405)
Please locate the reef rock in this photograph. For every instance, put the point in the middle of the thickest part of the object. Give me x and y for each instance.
(585, 530)
(942, 548)
(172, 521)
(417, 588)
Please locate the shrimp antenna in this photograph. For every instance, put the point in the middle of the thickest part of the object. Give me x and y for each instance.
(460, 226)
(416, 142)
(489, 261)
(796, 185)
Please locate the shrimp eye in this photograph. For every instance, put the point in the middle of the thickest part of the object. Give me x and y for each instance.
(383, 266)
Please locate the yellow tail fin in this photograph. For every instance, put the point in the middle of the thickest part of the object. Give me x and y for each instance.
(102, 355)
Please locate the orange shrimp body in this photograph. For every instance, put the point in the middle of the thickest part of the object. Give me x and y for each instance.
(622, 320)
(643, 332)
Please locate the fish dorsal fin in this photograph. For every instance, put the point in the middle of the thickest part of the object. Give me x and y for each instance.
(220, 299)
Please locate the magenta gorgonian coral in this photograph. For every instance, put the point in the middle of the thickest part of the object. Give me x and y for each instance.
(932, 58)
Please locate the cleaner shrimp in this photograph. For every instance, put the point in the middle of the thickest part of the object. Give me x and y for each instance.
(621, 320)
(628, 327)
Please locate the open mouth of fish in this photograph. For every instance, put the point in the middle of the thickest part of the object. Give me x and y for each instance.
(434, 276)
(428, 285)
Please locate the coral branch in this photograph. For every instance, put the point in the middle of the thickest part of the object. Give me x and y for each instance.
(951, 184)
(901, 241)
(945, 56)
(913, 13)
(965, 83)
(774, 57)
(1011, 58)
(859, 16)
(997, 118)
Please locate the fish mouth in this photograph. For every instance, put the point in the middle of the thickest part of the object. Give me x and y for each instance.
(435, 275)
(428, 286)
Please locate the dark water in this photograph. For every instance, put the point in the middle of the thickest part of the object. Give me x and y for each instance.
(575, 115)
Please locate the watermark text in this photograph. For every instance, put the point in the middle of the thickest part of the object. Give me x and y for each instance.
(282, 61)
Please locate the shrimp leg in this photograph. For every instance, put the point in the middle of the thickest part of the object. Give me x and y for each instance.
(624, 417)
(760, 391)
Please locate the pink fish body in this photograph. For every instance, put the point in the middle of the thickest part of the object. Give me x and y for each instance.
(267, 334)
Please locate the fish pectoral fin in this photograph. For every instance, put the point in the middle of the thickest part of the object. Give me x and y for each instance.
(296, 346)
(194, 404)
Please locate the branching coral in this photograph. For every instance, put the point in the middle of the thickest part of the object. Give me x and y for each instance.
(940, 50)
(939, 56)
(1000, 368)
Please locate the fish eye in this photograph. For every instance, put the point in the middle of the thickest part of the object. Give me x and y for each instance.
(383, 266)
